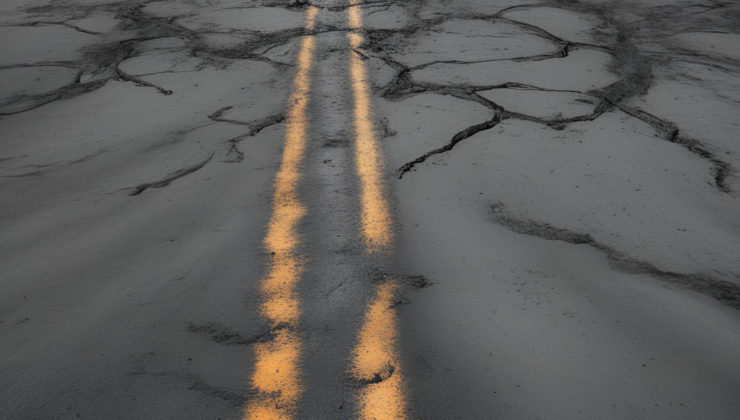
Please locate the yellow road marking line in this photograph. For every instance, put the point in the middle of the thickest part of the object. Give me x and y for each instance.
(276, 378)
(375, 360)
(375, 217)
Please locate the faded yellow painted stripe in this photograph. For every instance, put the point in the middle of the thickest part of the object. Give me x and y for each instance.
(375, 213)
(276, 380)
(375, 359)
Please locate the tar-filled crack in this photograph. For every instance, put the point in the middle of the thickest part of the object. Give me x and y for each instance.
(169, 178)
(722, 290)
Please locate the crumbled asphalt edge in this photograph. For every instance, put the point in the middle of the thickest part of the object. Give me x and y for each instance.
(634, 69)
(722, 290)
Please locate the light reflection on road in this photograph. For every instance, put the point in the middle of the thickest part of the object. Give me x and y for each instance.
(375, 359)
(276, 379)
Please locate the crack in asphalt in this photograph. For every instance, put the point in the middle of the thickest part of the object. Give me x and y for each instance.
(58, 23)
(468, 132)
(141, 82)
(169, 178)
(217, 116)
(635, 78)
(722, 290)
(668, 131)
(233, 154)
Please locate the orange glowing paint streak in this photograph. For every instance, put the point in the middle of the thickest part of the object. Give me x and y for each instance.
(375, 216)
(375, 359)
(276, 379)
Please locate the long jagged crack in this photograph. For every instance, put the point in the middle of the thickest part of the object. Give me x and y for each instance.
(141, 82)
(468, 132)
(560, 53)
(172, 177)
(722, 290)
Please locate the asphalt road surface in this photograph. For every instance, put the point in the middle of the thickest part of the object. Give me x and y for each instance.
(436, 209)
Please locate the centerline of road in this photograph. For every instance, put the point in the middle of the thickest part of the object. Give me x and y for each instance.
(276, 378)
(375, 362)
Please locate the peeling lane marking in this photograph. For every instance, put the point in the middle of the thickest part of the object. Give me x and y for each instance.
(276, 379)
(376, 362)
(375, 359)
(375, 217)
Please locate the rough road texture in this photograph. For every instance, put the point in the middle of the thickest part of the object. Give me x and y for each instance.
(564, 174)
